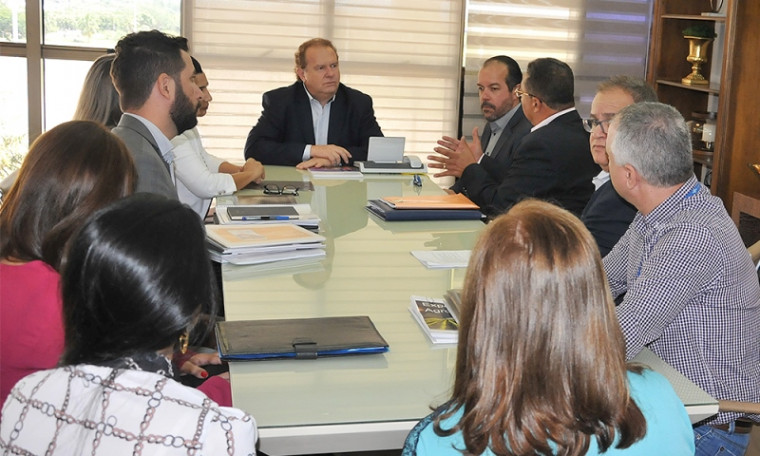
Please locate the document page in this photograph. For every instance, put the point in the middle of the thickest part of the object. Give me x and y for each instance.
(434, 259)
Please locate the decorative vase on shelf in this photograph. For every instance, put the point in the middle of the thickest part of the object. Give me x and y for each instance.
(697, 56)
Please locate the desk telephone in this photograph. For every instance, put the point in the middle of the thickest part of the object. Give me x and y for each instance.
(413, 161)
(408, 163)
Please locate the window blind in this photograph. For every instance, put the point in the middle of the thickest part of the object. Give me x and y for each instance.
(406, 55)
(597, 38)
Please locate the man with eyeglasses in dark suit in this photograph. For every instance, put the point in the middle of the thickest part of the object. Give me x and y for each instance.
(607, 215)
(553, 161)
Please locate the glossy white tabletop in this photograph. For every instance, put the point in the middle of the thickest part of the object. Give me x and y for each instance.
(368, 271)
(361, 402)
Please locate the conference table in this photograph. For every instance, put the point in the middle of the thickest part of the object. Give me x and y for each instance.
(363, 402)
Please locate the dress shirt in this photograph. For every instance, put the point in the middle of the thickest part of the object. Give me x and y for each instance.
(600, 179)
(497, 127)
(97, 410)
(549, 119)
(164, 145)
(320, 116)
(198, 176)
(692, 295)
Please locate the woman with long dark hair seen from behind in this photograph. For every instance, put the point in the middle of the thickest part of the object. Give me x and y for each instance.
(70, 172)
(541, 358)
(136, 279)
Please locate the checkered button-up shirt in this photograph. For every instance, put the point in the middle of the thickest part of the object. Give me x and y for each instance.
(692, 295)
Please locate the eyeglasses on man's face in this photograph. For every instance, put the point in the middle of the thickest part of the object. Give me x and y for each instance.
(520, 94)
(274, 189)
(590, 123)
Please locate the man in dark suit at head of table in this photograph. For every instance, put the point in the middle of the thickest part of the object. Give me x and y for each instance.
(553, 161)
(498, 78)
(317, 121)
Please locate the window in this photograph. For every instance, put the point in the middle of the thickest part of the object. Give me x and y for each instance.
(406, 55)
(100, 23)
(14, 135)
(49, 70)
(597, 38)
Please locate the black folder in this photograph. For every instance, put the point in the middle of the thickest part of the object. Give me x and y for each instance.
(298, 338)
(383, 210)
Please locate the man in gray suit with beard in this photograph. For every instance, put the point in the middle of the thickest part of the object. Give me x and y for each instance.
(155, 79)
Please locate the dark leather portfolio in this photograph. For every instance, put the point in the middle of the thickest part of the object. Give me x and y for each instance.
(298, 338)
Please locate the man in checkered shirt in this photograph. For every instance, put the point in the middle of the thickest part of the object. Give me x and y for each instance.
(691, 292)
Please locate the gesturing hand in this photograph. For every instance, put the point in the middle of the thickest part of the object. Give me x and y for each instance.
(455, 155)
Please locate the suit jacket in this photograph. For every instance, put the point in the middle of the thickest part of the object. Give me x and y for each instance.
(497, 163)
(552, 163)
(286, 127)
(504, 151)
(152, 171)
(607, 216)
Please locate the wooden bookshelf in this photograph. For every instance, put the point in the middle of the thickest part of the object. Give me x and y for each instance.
(734, 92)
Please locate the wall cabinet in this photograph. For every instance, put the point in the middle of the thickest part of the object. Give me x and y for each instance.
(733, 92)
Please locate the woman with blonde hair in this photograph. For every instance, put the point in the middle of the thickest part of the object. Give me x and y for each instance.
(541, 359)
(99, 100)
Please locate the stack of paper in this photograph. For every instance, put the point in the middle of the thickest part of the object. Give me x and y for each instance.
(425, 207)
(442, 259)
(251, 244)
(453, 300)
(262, 214)
(435, 319)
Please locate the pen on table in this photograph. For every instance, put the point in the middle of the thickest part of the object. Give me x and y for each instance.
(267, 217)
(417, 180)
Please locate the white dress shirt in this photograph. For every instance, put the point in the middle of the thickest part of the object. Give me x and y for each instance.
(198, 176)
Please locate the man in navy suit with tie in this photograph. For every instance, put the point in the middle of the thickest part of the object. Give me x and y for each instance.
(317, 121)
(493, 150)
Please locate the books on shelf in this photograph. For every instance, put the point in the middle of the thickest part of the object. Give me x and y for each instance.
(298, 338)
(336, 172)
(385, 211)
(251, 244)
(436, 319)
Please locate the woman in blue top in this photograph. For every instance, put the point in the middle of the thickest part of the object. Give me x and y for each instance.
(541, 359)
